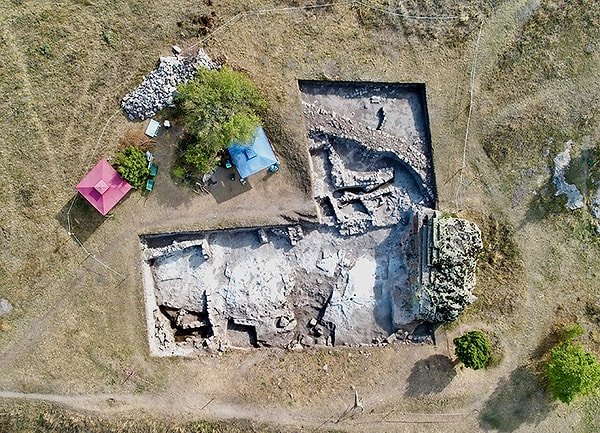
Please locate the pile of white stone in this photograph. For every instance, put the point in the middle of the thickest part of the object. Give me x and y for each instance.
(157, 89)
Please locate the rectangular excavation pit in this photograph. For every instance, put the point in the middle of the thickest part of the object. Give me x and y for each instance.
(305, 286)
(365, 274)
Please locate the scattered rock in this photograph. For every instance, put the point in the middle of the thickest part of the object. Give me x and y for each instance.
(596, 208)
(5, 307)
(307, 341)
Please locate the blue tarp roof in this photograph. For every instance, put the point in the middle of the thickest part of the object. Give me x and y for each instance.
(250, 159)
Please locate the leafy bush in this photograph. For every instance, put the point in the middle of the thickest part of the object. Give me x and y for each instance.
(132, 165)
(571, 371)
(219, 107)
(472, 349)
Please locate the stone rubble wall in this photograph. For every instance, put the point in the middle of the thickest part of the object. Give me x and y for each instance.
(415, 155)
(342, 177)
(157, 89)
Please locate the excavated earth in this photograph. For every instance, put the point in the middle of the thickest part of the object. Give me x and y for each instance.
(379, 265)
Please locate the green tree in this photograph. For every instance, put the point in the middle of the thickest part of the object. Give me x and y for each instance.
(472, 349)
(572, 372)
(132, 165)
(219, 107)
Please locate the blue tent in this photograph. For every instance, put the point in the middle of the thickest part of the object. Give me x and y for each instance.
(252, 158)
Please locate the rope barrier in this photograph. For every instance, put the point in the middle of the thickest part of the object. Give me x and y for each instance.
(471, 93)
(316, 6)
(69, 224)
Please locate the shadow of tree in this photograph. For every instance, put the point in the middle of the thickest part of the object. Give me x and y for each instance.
(430, 376)
(518, 399)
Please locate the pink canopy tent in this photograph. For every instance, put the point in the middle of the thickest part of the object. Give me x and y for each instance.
(103, 187)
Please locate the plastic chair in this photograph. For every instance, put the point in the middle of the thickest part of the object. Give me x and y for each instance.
(149, 184)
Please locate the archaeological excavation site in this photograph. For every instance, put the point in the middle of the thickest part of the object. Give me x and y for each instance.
(380, 264)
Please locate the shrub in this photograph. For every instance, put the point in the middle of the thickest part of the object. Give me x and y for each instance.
(472, 349)
(132, 165)
(571, 371)
(178, 172)
(219, 107)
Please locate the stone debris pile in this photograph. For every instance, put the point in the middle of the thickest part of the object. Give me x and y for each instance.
(157, 89)
(448, 279)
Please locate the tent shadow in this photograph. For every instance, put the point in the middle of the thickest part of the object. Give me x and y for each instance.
(519, 399)
(430, 376)
(85, 219)
(223, 188)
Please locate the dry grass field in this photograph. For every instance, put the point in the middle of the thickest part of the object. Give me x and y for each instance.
(78, 326)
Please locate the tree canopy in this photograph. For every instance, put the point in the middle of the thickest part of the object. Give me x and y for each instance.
(472, 349)
(132, 165)
(572, 372)
(219, 107)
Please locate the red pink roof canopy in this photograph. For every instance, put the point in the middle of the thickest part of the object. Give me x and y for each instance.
(103, 187)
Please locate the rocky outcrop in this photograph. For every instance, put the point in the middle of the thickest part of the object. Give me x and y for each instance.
(561, 164)
(157, 89)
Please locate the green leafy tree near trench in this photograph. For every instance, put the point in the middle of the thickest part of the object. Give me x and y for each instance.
(132, 165)
(219, 107)
(472, 349)
(572, 372)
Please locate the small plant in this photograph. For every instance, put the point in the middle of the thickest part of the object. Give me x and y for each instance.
(178, 173)
(132, 165)
(45, 50)
(472, 349)
(109, 37)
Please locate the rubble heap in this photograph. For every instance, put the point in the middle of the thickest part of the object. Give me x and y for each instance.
(447, 260)
(157, 89)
